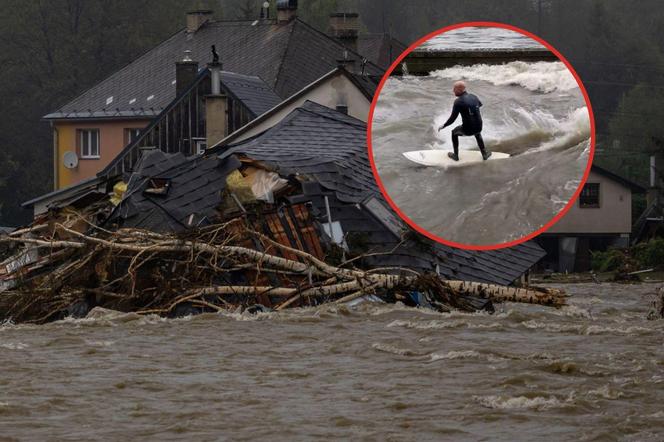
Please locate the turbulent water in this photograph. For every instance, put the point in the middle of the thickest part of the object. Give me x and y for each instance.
(591, 371)
(533, 111)
(482, 38)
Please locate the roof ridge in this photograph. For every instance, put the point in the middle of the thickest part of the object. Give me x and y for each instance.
(108, 77)
(337, 42)
(263, 21)
(283, 55)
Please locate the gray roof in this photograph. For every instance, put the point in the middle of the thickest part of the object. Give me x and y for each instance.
(320, 142)
(381, 49)
(287, 57)
(634, 187)
(367, 84)
(253, 92)
(329, 148)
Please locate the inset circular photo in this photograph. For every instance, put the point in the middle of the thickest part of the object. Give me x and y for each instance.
(481, 135)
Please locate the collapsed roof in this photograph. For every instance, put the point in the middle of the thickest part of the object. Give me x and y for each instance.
(328, 149)
(185, 191)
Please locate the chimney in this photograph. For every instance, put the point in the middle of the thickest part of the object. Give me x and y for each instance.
(196, 19)
(286, 10)
(654, 195)
(346, 62)
(185, 73)
(216, 108)
(345, 27)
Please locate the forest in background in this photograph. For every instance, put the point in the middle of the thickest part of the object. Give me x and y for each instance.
(52, 50)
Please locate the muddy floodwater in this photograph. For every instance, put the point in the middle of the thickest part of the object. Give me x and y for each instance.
(479, 38)
(591, 371)
(534, 112)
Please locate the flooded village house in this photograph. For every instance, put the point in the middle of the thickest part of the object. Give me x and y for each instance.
(283, 148)
(600, 218)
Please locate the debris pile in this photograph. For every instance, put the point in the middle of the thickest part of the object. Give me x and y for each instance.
(291, 217)
(60, 271)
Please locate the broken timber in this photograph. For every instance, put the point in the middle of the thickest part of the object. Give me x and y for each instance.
(220, 267)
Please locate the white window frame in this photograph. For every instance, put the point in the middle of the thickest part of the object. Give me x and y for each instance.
(201, 145)
(86, 151)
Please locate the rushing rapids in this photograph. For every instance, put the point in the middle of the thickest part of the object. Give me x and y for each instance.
(590, 371)
(532, 111)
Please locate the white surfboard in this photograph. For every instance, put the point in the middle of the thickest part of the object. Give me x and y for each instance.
(439, 158)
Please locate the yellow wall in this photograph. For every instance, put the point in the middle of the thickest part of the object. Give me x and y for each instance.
(111, 142)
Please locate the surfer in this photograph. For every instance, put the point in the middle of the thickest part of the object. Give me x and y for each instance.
(468, 105)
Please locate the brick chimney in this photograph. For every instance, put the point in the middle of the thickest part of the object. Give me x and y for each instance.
(196, 19)
(286, 10)
(216, 108)
(186, 71)
(345, 27)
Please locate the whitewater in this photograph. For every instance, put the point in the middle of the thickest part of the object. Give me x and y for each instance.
(533, 111)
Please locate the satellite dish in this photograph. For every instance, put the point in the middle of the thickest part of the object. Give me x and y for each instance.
(70, 159)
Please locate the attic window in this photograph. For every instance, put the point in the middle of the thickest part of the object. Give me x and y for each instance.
(132, 101)
(158, 186)
(109, 100)
(589, 198)
(174, 81)
(150, 97)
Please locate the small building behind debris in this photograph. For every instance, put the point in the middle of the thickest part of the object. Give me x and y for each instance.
(600, 218)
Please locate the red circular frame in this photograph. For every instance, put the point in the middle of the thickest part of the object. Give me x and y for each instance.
(546, 226)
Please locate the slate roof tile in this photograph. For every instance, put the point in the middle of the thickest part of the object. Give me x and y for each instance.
(286, 57)
(331, 147)
(253, 92)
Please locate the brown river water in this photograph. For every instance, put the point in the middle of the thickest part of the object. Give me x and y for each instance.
(591, 371)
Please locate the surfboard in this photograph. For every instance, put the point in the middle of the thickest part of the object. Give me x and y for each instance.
(439, 158)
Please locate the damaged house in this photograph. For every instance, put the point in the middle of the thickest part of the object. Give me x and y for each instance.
(267, 222)
(289, 179)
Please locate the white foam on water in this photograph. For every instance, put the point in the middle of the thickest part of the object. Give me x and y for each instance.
(573, 311)
(553, 326)
(463, 354)
(99, 343)
(14, 346)
(606, 392)
(519, 127)
(443, 324)
(537, 403)
(634, 330)
(484, 38)
(545, 77)
(570, 131)
(387, 348)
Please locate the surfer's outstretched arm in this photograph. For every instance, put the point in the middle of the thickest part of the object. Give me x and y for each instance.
(455, 114)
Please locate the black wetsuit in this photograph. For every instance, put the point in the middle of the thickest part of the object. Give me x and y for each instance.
(468, 105)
